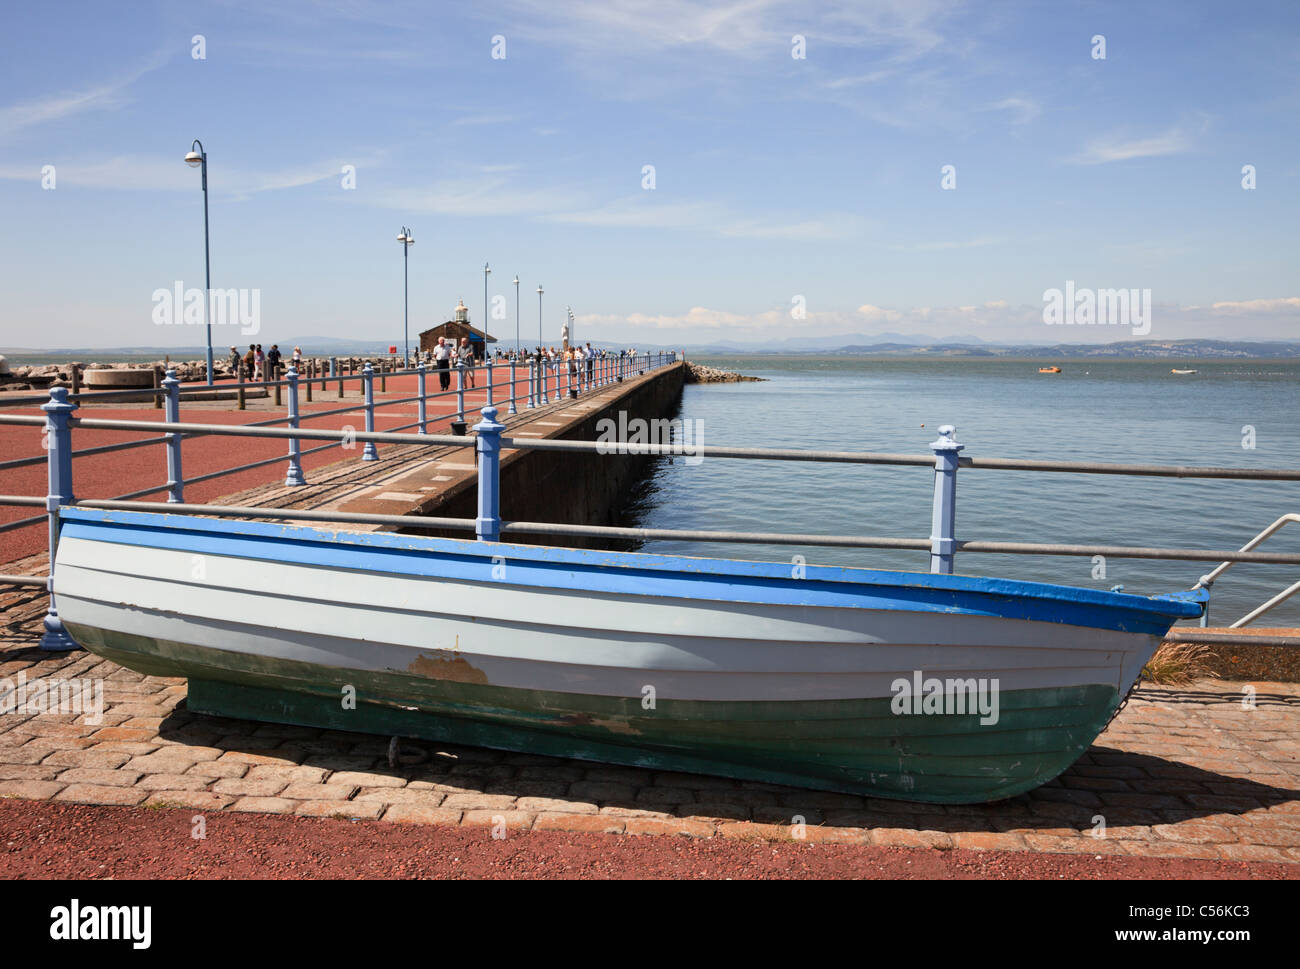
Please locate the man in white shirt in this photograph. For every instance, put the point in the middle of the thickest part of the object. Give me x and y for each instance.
(442, 357)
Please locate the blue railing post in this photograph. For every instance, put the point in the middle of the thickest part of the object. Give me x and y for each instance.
(488, 524)
(175, 476)
(460, 390)
(488, 363)
(943, 527)
(541, 379)
(422, 372)
(370, 452)
(293, 476)
(569, 389)
(512, 409)
(59, 460)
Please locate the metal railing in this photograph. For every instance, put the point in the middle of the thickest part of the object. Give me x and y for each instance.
(607, 368)
(1207, 581)
(945, 460)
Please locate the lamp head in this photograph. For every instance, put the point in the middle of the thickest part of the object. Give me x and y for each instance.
(193, 159)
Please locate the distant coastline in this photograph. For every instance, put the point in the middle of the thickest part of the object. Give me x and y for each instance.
(1204, 350)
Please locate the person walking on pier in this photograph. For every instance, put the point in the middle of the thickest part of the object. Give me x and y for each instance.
(465, 352)
(273, 361)
(259, 359)
(573, 357)
(250, 361)
(591, 363)
(442, 357)
(235, 360)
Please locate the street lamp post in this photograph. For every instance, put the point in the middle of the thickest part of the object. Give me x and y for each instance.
(486, 272)
(199, 159)
(539, 316)
(517, 346)
(407, 240)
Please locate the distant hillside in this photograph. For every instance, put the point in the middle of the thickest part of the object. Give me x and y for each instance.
(1128, 349)
(890, 344)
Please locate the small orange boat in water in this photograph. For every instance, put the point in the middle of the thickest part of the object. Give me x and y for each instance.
(1049, 369)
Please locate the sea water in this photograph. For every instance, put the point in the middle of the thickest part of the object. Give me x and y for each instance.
(1237, 414)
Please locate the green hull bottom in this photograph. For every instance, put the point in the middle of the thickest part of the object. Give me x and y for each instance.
(850, 746)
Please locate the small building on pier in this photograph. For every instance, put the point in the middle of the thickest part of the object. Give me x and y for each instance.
(454, 329)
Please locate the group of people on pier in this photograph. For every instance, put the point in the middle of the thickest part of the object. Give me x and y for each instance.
(257, 364)
(446, 355)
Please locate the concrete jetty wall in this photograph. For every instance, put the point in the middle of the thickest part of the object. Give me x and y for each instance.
(555, 486)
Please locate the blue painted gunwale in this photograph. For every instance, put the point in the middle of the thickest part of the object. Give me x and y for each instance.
(632, 573)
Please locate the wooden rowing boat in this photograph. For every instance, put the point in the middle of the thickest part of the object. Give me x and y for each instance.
(911, 685)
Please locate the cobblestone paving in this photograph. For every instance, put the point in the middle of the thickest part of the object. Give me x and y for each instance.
(1205, 772)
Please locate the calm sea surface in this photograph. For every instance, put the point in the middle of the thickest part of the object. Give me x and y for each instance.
(1117, 411)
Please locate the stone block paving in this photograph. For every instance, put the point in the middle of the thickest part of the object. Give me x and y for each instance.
(1207, 772)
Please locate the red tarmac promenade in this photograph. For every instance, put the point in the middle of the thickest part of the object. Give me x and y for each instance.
(121, 472)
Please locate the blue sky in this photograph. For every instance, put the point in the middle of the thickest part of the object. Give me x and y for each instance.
(776, 179)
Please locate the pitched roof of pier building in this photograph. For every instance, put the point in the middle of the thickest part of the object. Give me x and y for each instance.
(454, 329)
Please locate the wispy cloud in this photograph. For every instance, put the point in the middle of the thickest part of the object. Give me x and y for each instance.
(711, 218)
(132, 173)
(994, 321)
(895, 30)
(54, 107)
(478, 196)
(1119, 146)
(1289, 305)
(1023, 110)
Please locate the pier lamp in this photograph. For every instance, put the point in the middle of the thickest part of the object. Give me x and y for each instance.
(197, 157)
(486, 272)
(517, 347)
(539, 315)
(406, 239)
